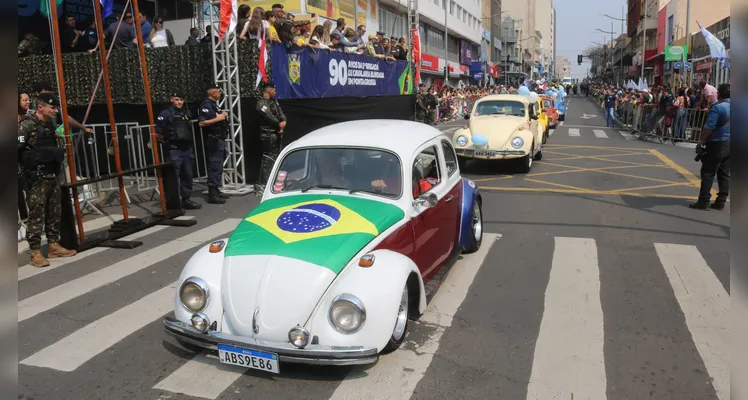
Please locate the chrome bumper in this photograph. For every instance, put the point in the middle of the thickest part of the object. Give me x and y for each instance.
(496, 153)
(312, 354)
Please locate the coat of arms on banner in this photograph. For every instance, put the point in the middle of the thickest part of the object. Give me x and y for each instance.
(294, 68)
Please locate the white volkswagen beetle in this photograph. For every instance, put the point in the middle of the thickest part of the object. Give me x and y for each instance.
(501, 127)
(331, 265)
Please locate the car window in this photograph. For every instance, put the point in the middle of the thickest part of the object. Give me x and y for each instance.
(450, 159)
(426, 172)
(500, 107)
(374, 171)
(546, 103)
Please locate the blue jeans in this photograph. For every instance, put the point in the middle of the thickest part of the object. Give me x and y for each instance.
(610, 117)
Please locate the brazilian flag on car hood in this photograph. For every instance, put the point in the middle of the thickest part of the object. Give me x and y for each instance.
(320, 229)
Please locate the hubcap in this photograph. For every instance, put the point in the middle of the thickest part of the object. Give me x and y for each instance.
(529, 160)
(402, 316)
(477, 223)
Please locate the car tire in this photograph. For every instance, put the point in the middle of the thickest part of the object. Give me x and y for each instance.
(539, 154)
(401, 323)
(189, 346)
(526, 161)
(462, 163)
(476, 228)
(545, 135)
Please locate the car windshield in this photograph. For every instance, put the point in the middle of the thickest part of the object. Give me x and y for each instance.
(372, 171)
(500, 107)
(546, 103)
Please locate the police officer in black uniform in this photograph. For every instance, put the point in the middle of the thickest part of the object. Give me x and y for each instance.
(175, 129)
(272, 124)
(215, 131)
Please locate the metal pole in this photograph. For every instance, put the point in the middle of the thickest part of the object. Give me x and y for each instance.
(149, 103)
(621, 75)
(446, 35)
(110, 107)
(64, 109)
(644, 40)
(688, 39)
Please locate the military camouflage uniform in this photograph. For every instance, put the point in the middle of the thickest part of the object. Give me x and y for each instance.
(44, 197)
(421, 107)
(271, 116)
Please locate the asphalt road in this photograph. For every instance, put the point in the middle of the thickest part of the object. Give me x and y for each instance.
(595, 281)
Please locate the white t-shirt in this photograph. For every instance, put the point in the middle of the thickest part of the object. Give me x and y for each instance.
(159, 39)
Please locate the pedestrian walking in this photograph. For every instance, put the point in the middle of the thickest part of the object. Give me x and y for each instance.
(713, 151)
(175, 128)
(41, 158)
(610, 103)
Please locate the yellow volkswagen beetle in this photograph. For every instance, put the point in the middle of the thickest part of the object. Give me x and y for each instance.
(543, 120)
(501, 127)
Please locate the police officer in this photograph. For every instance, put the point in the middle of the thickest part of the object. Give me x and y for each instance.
(272, 124)
(713, 151)
(421, 104)
(215, 131)
(42, 158)
(175, 129)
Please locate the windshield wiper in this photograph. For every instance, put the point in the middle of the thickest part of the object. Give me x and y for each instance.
(373, 191)
(319, 186)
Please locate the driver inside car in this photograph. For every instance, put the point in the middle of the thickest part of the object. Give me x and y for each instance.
(389, 178)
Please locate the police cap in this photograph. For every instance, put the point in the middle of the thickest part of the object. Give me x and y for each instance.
(268, 85)
(48, 98)
(213, 86)
(178, 94)
(276, 5)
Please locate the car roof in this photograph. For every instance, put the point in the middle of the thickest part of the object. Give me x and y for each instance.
(510, 97)
(400, 136)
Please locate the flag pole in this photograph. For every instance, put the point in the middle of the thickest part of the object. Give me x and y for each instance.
(148, 102)
(64, 109)
(110, 107)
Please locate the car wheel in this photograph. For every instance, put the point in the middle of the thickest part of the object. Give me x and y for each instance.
(189, 346)
(526, 161)
(401, 323)
(462, 163)
(545, 135)
(539, 154)
(476, 228)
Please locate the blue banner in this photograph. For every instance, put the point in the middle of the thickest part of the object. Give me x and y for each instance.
(304, 73)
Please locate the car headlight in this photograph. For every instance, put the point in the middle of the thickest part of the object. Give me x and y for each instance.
(347, 313)
(462, 140)
(299, 337)
(517, 142)
(194, 294)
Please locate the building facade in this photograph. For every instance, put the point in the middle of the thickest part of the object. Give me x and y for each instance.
(563, 67)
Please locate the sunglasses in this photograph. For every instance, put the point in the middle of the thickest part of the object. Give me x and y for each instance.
(159, 22)
(128, 16)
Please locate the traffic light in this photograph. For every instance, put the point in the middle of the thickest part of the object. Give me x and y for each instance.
(579, 59)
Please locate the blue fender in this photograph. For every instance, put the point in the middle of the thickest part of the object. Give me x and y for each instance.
(470, 192)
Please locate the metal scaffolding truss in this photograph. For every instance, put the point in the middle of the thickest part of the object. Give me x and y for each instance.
(226, 75)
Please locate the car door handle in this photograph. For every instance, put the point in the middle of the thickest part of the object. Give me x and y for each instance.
(449, 198)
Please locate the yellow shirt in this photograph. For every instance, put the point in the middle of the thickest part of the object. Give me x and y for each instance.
(272, 32)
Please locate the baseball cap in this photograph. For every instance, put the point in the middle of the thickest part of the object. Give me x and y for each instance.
(48, 98)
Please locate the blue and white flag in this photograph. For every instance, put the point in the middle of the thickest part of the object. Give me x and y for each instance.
(106, 8)
(716, 47)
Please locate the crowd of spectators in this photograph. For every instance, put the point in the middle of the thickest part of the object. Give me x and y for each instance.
(452, 103)
(668, 112)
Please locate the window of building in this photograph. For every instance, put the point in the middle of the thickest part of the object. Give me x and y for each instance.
(452, 7)
(171, 10)
(388, 18)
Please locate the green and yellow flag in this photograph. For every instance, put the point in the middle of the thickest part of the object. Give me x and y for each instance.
(320, 229)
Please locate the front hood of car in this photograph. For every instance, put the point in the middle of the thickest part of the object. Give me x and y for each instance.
(498, 130)
(264, 296)
(292, 247)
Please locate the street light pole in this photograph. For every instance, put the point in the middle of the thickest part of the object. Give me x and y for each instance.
(446, 35)
(688, 42)
(644, 40)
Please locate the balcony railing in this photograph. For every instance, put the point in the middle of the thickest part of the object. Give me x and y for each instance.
(509, 37)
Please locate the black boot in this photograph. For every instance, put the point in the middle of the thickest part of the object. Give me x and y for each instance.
(717, 206)
(214, 197)
(188, 204)
(223, 195)
(699, 205)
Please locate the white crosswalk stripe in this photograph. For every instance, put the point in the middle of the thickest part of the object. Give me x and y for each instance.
(574, 132)
(28, 270)
(88, 226)
(569, 355)
(600, 133)
(44, 301)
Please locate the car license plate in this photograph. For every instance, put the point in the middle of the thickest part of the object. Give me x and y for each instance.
(248, 358)
(485, 153)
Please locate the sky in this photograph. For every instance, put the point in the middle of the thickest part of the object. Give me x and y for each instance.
(576, 21)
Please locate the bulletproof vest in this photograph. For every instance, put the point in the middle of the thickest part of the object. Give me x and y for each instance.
(219, 130)
(46, 156)
(181, 127)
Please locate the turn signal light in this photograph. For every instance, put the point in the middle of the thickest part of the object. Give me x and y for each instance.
(216, 246)
(366, 261)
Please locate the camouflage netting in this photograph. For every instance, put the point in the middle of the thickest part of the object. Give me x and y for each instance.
(185, 68)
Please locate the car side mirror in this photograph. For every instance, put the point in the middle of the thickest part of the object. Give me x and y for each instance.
(427, 200)
(533, 116)
(467, 116)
